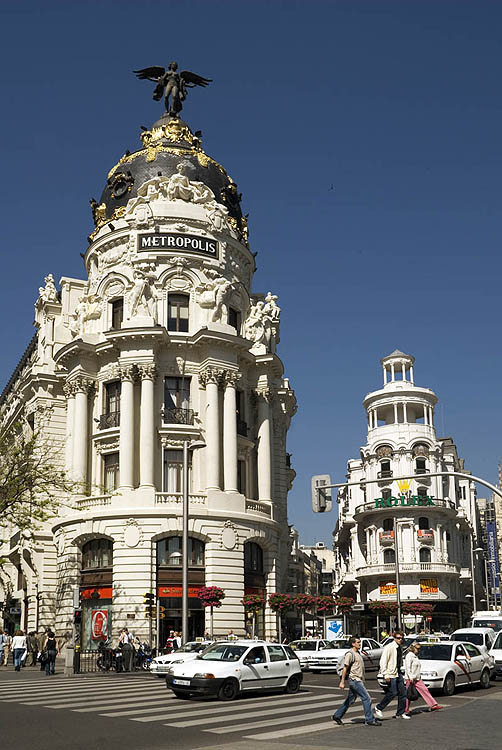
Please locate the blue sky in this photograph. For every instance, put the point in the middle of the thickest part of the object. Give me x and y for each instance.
(365, 138)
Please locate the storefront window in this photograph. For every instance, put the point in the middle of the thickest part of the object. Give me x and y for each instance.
(253, 558)
(169, 552)
(98, 553)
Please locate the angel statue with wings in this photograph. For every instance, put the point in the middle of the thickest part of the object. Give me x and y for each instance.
(172, 84)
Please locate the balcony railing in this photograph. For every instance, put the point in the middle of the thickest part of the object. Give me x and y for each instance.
(386, 537)
(176, 498)
(256, 507)
(242, 428)
(93, 501)
(112, 419)
(384, 474)
(414, 567)
(177, 415)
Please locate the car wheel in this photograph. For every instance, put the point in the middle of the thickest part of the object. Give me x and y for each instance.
(449, 684)
(183, 696)
(484, 680)
(293, 684)
(228, 691)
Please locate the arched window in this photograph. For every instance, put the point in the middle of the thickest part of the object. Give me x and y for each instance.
(425, 555)
(253, 558)
(98, 553)
(169, 552)
(389, 556)
(177, 312)
(388, 524)
(423, 523)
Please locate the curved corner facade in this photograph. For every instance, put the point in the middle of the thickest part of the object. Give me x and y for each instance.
(435, 518)
(162, 345)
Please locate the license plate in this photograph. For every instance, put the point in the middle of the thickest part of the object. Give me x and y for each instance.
(181, 682)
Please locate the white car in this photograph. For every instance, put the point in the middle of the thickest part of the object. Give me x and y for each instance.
(450, 663)
(496, 654)
(161, 664)
(229, 667)
(307, 649)
(483, 638)
(327, 659)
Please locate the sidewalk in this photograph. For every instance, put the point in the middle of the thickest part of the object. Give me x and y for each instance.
(35, 673)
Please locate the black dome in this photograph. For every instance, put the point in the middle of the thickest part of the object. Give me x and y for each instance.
(168, 142)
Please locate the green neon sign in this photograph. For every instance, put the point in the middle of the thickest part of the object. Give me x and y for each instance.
(402, 500)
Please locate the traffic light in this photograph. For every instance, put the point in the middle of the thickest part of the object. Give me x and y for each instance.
(149, 601)
(321, 495)
(77, 616)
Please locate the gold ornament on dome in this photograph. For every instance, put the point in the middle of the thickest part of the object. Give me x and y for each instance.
(117, 214)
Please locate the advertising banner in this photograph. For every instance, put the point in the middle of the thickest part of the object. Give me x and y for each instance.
(493, 556)
(177, 591)
(429, 586)
(99, 624)
(388, 588)
(334, 629)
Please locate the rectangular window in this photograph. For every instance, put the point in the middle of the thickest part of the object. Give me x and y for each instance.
(111, 471)
(117, 312)
(241, 476)
(177, 401)
(173, 471)
(242, 428)
(234, 319)
(177, 312)
(112, 397)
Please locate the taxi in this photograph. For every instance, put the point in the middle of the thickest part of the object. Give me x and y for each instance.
(307, 649)
(227, 668)
(448, 664)
(328, 659)
(161, 664)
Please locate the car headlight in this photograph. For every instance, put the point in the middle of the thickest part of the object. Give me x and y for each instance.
(178, 661)
(204, 675)
(429, 674)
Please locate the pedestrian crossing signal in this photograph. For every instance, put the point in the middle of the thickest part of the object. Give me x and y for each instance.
(149, 600)
(162, 612)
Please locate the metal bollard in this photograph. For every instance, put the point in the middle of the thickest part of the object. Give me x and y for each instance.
(68, 664)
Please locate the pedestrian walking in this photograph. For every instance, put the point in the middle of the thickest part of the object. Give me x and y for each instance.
(412, 675)
(51, 649)
(125, 642)
(33, 649)
(177, 641)
(391, 662)
(18, 648)
(3, 642)
(7, 644)
(353, 669)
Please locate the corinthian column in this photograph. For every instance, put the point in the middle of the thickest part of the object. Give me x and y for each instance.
(230, 432)
(82, 387)
(147, 373)
(209, 379)
(126, 444)
(264, 447)
(69, 392)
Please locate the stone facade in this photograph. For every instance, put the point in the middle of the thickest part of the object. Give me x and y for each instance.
(163, 343)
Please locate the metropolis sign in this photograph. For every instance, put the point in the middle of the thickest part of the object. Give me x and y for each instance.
(392, 502)
(181, 242)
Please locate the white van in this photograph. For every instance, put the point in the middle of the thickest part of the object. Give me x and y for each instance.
(487, 620)
(481, 637)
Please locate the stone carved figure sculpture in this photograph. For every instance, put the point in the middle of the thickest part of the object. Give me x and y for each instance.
(171, 84)
(89, 307)
(48, 293)
(142, 294)
(262, 323)
(180, 187)
(271, 308)
(214, 295)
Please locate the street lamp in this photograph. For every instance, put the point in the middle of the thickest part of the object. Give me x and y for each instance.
(187, 445)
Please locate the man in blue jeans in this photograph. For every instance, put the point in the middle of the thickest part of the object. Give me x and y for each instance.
(391, 662)
(353, 668)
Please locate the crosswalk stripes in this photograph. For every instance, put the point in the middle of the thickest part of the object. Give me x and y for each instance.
(146, 701)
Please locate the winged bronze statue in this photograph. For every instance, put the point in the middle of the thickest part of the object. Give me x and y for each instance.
(171, 83)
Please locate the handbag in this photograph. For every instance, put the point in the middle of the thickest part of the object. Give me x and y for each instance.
(43, 657)
(412, 693)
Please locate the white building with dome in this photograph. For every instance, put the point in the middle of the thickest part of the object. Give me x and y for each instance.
(162, 342)
(435, 518)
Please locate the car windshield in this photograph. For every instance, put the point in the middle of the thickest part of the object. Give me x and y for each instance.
(476, 638)
(189, 647)
(303, 645)
(223, 652)
(495, 624)
(498, 641)
(435, 652)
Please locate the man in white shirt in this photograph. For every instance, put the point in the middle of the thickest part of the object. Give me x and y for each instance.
(391, 662)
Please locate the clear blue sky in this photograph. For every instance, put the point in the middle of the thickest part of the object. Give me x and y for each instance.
(365, 137)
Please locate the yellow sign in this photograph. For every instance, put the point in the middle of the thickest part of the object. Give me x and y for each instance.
(404, 485)
(429, 586)
(388, 589)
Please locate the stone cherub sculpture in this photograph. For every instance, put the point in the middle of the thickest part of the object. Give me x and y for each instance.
(48, 293)
(142, 293)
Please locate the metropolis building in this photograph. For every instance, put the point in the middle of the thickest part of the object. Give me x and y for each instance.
(163, 342)
(435, 518)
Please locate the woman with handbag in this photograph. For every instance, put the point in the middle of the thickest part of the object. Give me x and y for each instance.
(415, 687)
(51, 649)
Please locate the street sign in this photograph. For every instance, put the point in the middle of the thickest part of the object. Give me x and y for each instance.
(15, 610)
(321, 494)
(357, 607)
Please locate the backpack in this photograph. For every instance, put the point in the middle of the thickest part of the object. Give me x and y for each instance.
(341, 663)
